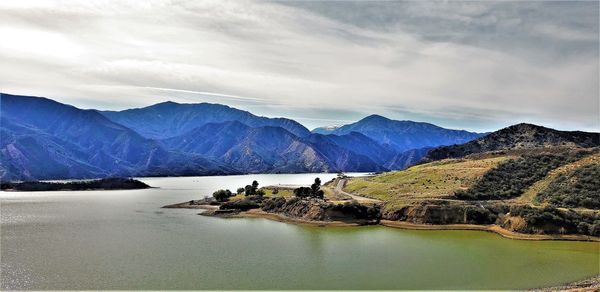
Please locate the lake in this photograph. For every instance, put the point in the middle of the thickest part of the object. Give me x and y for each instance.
(124, 240)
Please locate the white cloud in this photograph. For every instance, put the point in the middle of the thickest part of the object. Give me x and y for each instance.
(110, 53)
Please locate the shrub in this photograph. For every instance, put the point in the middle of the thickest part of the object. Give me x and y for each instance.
(313, 192)
(302, 192)
(222, 195)
(273, 204)
(243, 205)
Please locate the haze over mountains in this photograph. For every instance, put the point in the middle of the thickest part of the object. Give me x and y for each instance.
(44, 139)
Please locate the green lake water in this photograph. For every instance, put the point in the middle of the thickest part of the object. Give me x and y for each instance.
(124, 240)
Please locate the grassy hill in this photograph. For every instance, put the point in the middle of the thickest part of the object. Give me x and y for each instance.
(435, 180)
(540, 190)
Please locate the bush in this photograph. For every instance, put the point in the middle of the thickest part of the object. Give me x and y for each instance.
(313, 192)
(273, 204)
(240, 191)
(222, 195)
(302, 192)
(242, 205)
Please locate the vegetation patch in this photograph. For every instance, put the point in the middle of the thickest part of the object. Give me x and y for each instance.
(244, 204)
(511, 178)
(578, 188)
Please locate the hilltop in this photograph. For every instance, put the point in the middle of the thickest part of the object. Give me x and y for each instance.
(520, 136)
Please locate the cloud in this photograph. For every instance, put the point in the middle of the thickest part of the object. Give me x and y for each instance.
(473, 65)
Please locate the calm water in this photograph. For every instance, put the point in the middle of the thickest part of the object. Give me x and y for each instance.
(123, 240)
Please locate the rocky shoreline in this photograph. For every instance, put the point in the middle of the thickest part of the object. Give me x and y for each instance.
(323, 213)
(590, 284)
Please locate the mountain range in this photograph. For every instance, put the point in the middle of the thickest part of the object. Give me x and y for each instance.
(44, 139)
(402, 135)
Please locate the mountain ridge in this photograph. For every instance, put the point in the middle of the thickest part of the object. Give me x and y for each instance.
(45, 139)
(518, 136)
(170, 119)
(405, 135)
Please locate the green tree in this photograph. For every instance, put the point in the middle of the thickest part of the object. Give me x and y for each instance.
(248, 190)
(315, 188)
(222, 195)
(240, 191)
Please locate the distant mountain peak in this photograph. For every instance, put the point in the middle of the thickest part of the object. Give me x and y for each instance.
(374, 118)
(168, 102)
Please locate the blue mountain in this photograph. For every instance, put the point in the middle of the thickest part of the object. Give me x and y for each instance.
(170, 119)
(43, 139)
(402, 135)
(269, 149)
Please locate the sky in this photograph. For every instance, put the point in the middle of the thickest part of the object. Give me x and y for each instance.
(475, 65)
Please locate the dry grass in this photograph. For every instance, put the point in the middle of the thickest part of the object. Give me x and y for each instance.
(435, 180)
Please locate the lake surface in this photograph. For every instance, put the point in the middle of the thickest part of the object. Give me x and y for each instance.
(124, 240)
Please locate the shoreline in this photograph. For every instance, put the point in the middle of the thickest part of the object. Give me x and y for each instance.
(490, 228)
(257, 213)
(587, 284)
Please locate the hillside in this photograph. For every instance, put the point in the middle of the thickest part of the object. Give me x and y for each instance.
(520, 136)
(544, 191)
(524, 178)
(170, 119)
(436, 180)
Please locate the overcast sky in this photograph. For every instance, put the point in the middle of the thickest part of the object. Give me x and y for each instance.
(472, 65)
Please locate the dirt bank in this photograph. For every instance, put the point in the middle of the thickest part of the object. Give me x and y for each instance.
(489, 228)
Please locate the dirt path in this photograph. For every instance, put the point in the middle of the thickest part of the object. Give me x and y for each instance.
(339, 189)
